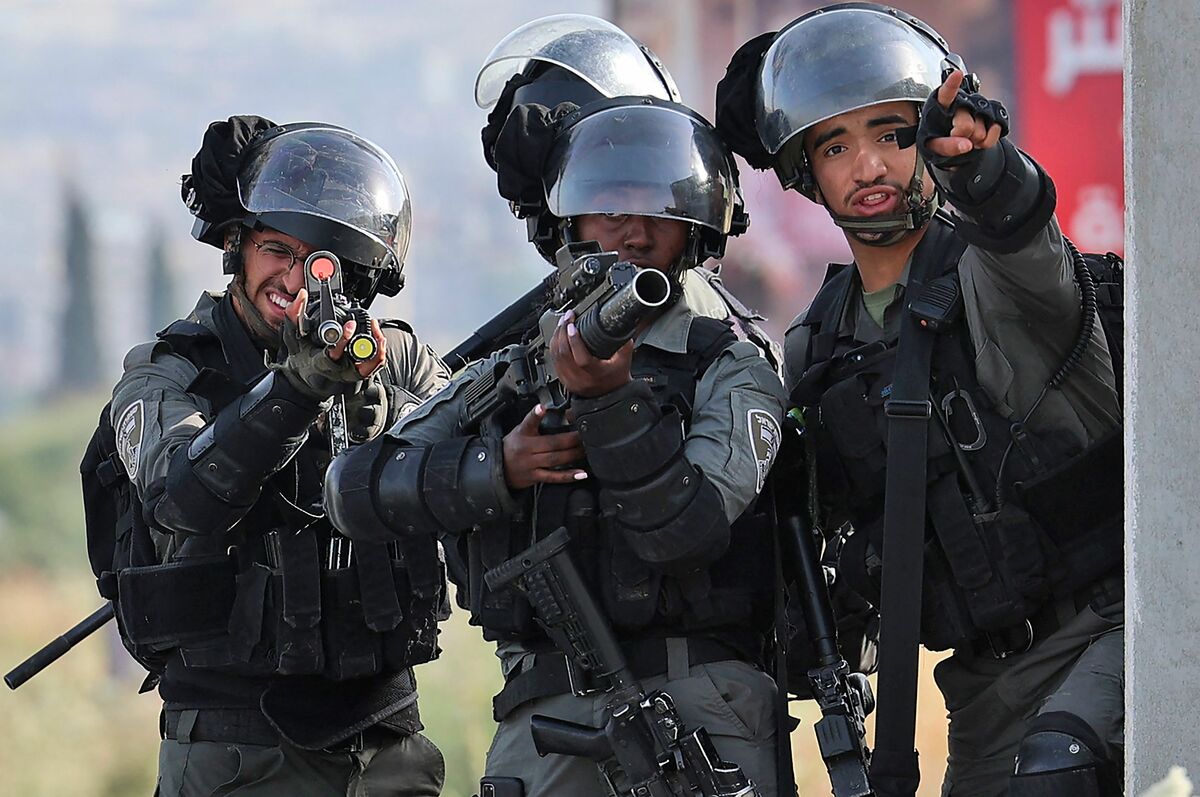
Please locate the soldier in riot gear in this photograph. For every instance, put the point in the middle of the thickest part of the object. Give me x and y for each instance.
(960, 395)
(578, 59)
(671, 439)
(284, 654)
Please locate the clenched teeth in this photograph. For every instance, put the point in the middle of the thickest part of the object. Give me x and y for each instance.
(278, 300)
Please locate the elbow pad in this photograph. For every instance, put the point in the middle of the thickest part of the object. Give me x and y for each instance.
(215, 479)
(672, 516)
(383, 489)
(1004, 198)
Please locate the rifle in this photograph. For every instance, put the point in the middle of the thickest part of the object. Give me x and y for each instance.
(644, 734)
(510, 325)
(609, 299)
(845, 698)
(323, 322)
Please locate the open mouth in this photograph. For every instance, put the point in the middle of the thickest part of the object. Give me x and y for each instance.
(875, 201)
(279, 301)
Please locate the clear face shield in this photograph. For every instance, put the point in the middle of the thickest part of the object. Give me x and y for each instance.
(840, 60)
(333, 190)
(590, 48)
(641, 160)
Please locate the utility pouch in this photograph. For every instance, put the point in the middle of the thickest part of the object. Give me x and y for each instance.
(631, 595)
(852, 412)
(296, 598)
(241, 649)
(351, 649)
(155, 604)
(996, 559)
(1081, 494)
(428, 602)
(505, 612)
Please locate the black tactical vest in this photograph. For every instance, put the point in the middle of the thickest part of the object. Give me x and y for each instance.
(731, 600)
(1013, 518)
(263, 599)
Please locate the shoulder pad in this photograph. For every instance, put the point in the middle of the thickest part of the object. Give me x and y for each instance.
(827, 304)
(146, 352)
(184, 334)
(708, 337)
(395, 323)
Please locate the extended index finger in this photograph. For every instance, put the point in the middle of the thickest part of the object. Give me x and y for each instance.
(949, 88)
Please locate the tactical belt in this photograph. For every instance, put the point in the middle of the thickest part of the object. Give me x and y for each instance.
(1053, 615)
(249, 726)
(553, 673)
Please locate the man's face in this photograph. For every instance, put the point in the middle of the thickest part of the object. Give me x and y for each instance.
(273, 271)
(645, 241)
(859, 169)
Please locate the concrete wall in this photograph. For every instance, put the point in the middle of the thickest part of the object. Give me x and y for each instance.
(1162, 437)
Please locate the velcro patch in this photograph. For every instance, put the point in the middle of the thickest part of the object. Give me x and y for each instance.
(765, 436)
(129, 431)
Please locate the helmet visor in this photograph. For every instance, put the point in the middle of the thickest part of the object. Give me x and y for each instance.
(838, 61)
(340, 182)
(641, 160)
(594, 49)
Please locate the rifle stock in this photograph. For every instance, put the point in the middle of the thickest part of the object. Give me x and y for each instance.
(643, 733)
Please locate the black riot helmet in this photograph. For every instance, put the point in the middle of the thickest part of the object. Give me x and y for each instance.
(571, 58)
(326, 186)
(645, 157)
(838, 59)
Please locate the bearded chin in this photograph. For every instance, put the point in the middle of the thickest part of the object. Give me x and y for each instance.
(263, 334)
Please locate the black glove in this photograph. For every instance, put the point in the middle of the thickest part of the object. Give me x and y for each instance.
(367, 411)
(937, 122)
(311, 371)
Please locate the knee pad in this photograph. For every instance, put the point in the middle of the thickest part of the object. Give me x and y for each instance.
(1059, 755)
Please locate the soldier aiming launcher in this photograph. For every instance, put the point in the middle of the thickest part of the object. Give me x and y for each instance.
(657, 754)
(609, 299)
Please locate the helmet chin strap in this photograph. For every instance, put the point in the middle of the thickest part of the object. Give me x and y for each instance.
(888, 230)
(263, 334)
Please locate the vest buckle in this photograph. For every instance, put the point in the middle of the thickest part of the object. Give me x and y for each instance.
(1004, 644)
(917, 409)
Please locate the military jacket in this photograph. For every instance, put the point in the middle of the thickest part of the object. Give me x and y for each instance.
(732, 434)
(160, 405)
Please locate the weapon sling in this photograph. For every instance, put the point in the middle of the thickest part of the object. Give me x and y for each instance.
(895, 771)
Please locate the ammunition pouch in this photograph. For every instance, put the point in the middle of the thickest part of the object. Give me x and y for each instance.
(298, 617)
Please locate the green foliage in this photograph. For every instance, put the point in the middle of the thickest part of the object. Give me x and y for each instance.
(41, 504)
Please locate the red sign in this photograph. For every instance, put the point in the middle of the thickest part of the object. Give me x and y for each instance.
(1069, 60)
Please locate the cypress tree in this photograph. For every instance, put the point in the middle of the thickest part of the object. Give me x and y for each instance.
(80, 354)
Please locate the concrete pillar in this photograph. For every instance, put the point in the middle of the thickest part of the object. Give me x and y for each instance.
(1162, 434)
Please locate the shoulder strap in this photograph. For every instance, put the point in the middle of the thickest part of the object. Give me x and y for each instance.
(826, 311)
(894, 767)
